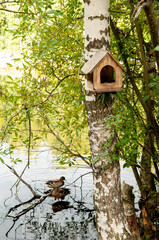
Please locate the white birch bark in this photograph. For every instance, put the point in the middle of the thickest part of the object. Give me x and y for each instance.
(110, 218)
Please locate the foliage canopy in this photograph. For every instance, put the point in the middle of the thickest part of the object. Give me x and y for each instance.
(49, 97)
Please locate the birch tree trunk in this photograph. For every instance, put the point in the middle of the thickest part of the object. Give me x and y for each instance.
(110, 220)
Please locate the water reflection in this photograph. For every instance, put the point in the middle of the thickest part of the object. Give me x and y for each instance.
(71, 218)
(60, 193)
(60, 205)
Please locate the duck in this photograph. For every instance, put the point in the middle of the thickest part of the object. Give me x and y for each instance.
(56, 183)
(60, 193)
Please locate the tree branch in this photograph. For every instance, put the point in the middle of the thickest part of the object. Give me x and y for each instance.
(29, 133)
(50, 94)
(62, 142)
(138, 9)
(20, 178)
(9, 2)
(11, 118)
(12, 11)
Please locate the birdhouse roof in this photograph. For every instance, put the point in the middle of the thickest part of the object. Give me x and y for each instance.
(96, 59)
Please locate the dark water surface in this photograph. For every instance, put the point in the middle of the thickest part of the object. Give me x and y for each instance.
(74, 223)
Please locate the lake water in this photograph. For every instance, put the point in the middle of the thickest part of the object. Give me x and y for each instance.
(76, 222)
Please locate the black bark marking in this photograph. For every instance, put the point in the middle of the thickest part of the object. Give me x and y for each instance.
(98, 44)
(105, 31)
(90, 93)
(87, 1)
(101, 17)
(88, 38)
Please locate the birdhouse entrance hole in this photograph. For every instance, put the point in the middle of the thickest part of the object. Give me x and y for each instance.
(103, 73)
(107, 74)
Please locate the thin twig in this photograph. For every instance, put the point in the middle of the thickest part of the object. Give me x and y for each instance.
(19, 177)
(11, 118)
(78, 178)
(50, 94)
(21, 213)
(3, 2)
(12, 11)
(19, 205)
(67, 148)
(42, 198)
(138, 9)
(29, 133)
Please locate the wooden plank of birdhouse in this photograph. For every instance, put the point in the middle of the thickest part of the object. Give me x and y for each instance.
(116, 61)
(108, 90)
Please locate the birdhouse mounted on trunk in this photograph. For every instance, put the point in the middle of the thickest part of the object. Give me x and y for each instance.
(103, 73)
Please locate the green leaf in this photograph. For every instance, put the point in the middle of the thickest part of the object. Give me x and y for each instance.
(146, 98)
(105, 154)
(55, 12)
(10, 77)
(9, 65)
(41, 53)
(53, 43)
(96, 159)
(1, 159)
(127, 164)
(156, 48)
(152, 84)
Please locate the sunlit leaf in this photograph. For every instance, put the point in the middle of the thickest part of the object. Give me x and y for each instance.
(156, 48)
(55, 12)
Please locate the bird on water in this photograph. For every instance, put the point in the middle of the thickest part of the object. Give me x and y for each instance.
(56, 183)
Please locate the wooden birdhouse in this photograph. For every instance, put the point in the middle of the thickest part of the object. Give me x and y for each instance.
(103, 73)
